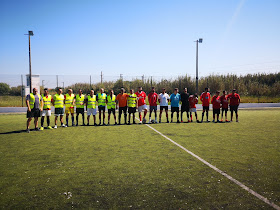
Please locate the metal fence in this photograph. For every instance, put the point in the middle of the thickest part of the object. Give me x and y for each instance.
(53, 81)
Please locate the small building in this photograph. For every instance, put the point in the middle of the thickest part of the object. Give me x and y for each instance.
(35, 83)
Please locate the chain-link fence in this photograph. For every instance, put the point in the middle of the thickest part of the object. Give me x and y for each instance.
(251, 85)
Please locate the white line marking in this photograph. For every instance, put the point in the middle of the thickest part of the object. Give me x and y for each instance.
(219, 171)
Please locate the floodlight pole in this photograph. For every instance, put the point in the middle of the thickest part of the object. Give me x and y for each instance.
(30, 83)
(197, 41)
(30, 33)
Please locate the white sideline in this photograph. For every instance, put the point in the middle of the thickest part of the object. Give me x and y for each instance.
(219, 171)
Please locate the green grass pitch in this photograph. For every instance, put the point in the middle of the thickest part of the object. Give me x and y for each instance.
(122, 167)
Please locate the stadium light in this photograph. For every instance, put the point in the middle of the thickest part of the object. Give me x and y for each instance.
(197, 41)
(30, 33)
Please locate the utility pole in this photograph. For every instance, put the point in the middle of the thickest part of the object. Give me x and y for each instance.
(43, 83)
(151, 81)
(197, 41)
(56, 81)
(63, 85)
(121, 78)
(21, 91)
(90, 81)
(30, 33)
(101, 77)
(143, 78)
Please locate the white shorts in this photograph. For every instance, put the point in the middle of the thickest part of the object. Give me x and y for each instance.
(192, 109)
(91, 111)
(47, 113)
(141, 108)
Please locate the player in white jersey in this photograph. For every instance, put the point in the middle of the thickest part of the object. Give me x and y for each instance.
(163, 99)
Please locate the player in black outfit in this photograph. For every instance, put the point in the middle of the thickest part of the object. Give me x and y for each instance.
(185, 103)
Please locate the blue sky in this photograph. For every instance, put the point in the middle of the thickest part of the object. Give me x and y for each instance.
(143, 37)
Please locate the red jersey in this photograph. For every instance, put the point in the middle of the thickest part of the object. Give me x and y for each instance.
(216, 102)
(205, 98)
(193, 101)
(141, 98)
(234, 99)
(153, 97)
(224, 101)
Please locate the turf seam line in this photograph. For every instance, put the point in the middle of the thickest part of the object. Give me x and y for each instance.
(264, 199)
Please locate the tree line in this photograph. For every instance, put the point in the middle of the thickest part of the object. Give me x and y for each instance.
(249, 85)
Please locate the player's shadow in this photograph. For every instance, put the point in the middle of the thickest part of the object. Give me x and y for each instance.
(11, 132)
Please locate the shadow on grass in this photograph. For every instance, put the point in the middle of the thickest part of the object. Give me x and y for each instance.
(106, 125)
(19, 131)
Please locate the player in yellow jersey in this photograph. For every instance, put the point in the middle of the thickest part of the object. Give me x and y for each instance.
(69, 100)
(46, 109)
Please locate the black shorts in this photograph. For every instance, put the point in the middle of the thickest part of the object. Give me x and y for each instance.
(174, 109)
(205, 108)
(131, 110)
(33, 113)
(216, 111)
(225, 109)
(185, 108)
(164, 108)
(123, 110)
(58, 111)
(112, 110)
(101, 108)
(80, 110)
(233, 108)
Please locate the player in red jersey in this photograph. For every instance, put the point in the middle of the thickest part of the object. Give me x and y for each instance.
(234, 101)
(224, 102)
(153, 97)
(205, 98)
(193, 100)
(216, 104)
(141, 96)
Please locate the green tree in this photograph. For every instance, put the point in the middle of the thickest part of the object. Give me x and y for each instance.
(4, 89)
(16, 91)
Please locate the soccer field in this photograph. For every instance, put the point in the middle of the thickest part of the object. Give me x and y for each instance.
(132, 166)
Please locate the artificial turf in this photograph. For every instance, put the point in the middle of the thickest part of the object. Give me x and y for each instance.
(131, 166)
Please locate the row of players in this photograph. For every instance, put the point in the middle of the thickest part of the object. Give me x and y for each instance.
(41, 105)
